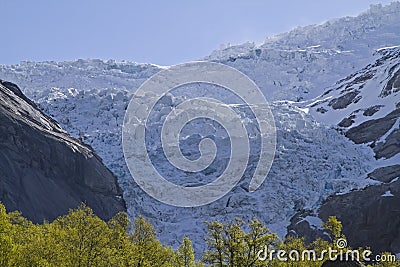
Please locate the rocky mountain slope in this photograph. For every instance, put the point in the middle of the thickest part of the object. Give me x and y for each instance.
(43, 171)
(365, 106)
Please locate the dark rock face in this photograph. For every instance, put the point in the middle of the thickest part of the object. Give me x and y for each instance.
(300, 227)
(370, 217)
(390, 147)
(344, 100)
(346, 122)
(43, 171)
(385, 174)
(393, 85)
(373, 129)
(372, 110)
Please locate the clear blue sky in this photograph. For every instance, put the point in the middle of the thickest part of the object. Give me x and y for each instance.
(160, 32)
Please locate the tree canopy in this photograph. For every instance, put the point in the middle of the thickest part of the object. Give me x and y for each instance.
(81, 239)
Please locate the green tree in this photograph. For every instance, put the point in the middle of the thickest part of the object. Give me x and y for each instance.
(230, 245)
(216, 244)
(259, 237)
(185, 254)
(6, 240)
(83, 237)
(148, 250)
(121, 247)
(334, 226)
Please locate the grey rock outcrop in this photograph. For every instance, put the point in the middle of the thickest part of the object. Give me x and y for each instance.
(43, 171)
(370, 217)
(372, 130)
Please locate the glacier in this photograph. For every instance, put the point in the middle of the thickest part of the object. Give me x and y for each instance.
(313, 160)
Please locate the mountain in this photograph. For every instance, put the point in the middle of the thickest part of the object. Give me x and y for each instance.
(300, 64)
(365, 107)
(321, 167)
(298, 179)
(44, 172)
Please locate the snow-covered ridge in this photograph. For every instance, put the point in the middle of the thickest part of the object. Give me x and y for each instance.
(351, 33)
(364, 95)
(376, 25)
(298, 65)
(34, 77)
